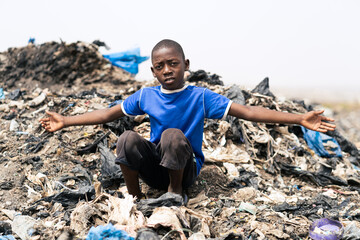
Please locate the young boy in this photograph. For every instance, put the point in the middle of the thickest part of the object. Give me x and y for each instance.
(172, 159)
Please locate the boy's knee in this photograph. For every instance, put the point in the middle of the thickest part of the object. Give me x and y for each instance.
(127, 136)
(128, 139)
(174, 138)
(175, 149)
(172, 134)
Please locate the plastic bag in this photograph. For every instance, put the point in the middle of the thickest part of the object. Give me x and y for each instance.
(316, 141)
(108, 232)
(128, 60)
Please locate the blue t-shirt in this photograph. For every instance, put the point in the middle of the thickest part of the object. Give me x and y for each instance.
(184, 109)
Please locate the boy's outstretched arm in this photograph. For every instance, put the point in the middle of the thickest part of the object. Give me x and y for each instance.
(311, 120)
(56, 121)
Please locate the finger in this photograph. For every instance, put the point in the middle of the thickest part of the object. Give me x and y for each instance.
(49, 113)
(44, 119)
(327, 119)
(321, 130)
(328, 128)
(328, 124)
(48, 128)
(319, 112)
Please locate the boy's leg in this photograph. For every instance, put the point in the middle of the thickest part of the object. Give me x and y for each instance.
(176, 178)
(137, 157)
(177, 157)
(131, 178)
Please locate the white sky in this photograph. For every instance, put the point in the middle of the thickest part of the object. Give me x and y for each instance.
(308, 44)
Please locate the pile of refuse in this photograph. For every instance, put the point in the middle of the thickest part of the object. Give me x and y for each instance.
(57, 64)
(259, 181)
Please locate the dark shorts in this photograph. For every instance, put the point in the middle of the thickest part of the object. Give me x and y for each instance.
(152, 161)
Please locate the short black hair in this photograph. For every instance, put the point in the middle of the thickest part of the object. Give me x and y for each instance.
(167, 43)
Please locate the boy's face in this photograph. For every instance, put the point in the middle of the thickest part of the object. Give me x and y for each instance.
(169, 67)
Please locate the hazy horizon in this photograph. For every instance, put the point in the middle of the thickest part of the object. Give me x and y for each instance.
(308, 45)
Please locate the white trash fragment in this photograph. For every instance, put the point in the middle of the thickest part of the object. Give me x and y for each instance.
(4, 108)
(14, 126)
(245, 194)
(330, 193)
(197, 236)
(38, 100)
(232, 171)
(277, 197)
(23, 226)
(17, 104)
(248, 207)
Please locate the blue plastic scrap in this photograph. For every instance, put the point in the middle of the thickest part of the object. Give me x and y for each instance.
(2, 94)
(108, 232)
(116, 102)
(31, 40)
(315, 140)
(128, 60)
(7, 237)
(68, 107)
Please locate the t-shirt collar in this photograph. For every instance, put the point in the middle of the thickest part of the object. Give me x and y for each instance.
(163, 90)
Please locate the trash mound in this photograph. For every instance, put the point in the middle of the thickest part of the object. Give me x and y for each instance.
(259, 181)
(60, 65)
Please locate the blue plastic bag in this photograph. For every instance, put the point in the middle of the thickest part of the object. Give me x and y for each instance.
(315, 141)
(128, 60)
(108, 232)
(31, 40)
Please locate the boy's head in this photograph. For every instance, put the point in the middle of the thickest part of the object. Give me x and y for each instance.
(169, 64)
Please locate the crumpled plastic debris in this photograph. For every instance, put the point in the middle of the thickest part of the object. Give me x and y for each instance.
(327, 229)
(23, 226)
(202, 76)
(166, 217)
(248, 207)
(7, 237)
(110, 173)
(146, 206)
(127, 60)
(69, 198)
(147, 234)
(2, 94)
(5, 228)
(317, 141)
(263, 88)
(108, 232)
(351, 232)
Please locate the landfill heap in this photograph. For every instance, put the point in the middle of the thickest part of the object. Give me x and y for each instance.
(259, 181)
(54, 64)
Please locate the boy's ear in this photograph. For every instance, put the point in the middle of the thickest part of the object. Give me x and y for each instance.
(187, 64)
(152, 70)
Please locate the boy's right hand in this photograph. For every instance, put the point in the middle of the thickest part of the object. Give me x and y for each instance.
(54, 122)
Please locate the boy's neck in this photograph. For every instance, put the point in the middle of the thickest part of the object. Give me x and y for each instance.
(163, 90)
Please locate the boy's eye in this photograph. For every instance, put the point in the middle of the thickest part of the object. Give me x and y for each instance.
(158, 67)
(173, 63)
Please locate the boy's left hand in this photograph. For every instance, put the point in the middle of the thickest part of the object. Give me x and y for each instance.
(314, 121)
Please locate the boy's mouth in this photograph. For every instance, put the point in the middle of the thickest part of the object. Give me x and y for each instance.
(169, 80)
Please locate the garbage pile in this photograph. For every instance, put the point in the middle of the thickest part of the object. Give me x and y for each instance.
(259, 181)
(59, 64)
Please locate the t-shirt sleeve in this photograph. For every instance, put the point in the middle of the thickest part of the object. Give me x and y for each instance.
(216, 106)
(131, 105)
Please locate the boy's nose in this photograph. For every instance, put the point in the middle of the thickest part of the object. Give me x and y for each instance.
(167, 69)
